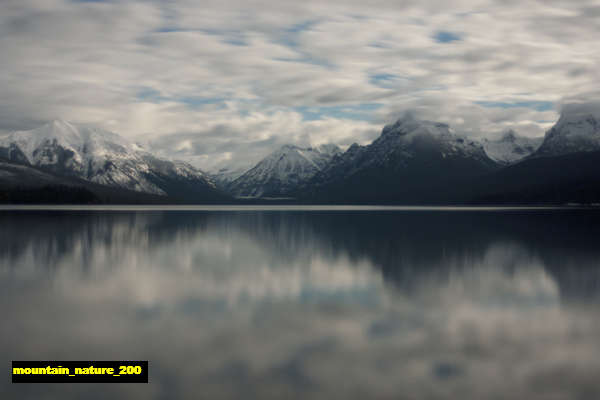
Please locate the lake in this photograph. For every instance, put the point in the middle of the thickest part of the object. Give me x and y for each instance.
(306, 302)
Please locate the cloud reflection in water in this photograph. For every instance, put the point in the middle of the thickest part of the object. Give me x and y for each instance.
(308, 304)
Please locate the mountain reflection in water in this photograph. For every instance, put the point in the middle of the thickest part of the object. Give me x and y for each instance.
(298, 304)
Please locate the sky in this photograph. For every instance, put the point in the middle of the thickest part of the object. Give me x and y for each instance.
(223, 83)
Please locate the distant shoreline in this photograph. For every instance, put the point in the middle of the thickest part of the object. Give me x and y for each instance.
(225, 207)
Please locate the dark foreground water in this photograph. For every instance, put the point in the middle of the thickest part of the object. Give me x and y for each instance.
(324, 304)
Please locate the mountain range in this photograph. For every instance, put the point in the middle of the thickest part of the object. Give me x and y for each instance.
(413, 161)
(409, 159)
(78, 155)
(412, 152)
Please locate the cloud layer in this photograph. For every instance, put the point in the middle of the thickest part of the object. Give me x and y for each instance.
(225, 82)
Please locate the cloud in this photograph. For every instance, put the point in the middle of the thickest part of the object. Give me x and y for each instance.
(267, 72)
(579, 107)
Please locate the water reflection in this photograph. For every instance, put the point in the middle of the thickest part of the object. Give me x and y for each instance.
(308, 304)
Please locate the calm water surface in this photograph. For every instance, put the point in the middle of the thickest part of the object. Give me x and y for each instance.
(319, 303)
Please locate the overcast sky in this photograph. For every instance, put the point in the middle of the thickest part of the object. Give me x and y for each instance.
(225, 82)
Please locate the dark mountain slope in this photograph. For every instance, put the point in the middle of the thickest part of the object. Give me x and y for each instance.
(413, 161)
(571, 178)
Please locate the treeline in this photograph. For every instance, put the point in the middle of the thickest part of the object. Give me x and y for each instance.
(49, 194)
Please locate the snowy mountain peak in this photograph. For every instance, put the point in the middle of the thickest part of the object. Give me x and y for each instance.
(577, 130)
(407, 158)
(293, 154)
(283, 170)
(96, 155)
(511, 147)
(582, 123)
(577, 112)
(41, 145)
(509, 136)
(329, 148)
(410, 125)
(411, 135)
(322, 149)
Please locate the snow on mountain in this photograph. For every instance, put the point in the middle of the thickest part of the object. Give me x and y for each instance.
(98, 156)
(406, 163)
(577, 130)
(224, 176)
(511, 147)
(411, 136)
(402, 142)
(410, 132)
(282, 171)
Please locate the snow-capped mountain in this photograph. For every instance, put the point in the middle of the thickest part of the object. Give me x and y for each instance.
(282, 171)
(511, 147)
(101, 157)
(575, 131)
(404, 142)
(224, 176)
(410, 156)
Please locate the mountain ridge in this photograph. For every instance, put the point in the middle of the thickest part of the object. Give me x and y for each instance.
(412, 161)
(280, 172)
(573, 132)
(409, 159)
(104, 158)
